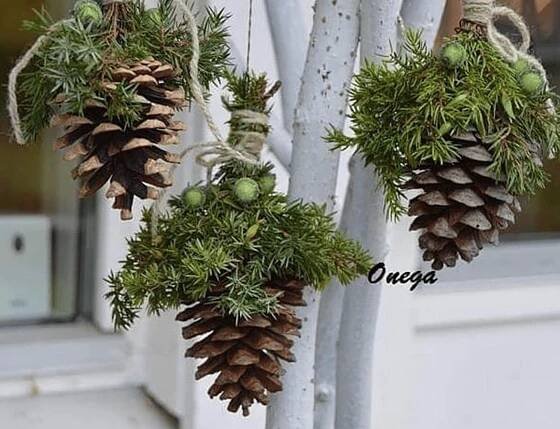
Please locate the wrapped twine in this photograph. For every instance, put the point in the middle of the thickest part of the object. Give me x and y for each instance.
(485, 13)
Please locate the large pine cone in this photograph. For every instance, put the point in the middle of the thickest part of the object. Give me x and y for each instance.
(130, 157)
(247, 353)
(463, 205)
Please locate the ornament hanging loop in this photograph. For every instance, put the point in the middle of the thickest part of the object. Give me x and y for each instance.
(485, 13)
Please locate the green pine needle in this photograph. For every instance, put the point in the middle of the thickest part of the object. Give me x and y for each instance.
(404, 110)
(76, 58)
(239, 246)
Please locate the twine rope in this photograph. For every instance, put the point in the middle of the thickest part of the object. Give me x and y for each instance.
(486, 12)
(212, 153)
(250, 143)
(21, 65)
(219, 147)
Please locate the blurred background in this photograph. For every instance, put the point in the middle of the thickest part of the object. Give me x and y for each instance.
(480, 349)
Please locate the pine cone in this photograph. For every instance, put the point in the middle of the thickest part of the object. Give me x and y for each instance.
(463, 205)
(131, 158)
(247, 353)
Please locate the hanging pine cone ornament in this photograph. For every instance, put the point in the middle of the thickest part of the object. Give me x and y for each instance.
(465, 128)
(238, 258)
(113, 78)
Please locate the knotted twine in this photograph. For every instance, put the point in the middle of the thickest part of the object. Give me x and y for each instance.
(250, 143)
(485, 13)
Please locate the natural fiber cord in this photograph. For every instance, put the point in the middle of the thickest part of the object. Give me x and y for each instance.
(485, 12)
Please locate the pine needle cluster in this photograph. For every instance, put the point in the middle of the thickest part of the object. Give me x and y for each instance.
(238, 246)
(405, 109)
(78, 57)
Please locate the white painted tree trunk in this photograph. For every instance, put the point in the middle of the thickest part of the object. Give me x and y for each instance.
(354, 224)
(423, 15)
(380, 28)
(361, 301)
(288, 29)
(322, 101)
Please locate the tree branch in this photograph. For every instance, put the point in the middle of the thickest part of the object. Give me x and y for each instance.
(288, 33)
(361, 301)
(322, 101)
(423, 15)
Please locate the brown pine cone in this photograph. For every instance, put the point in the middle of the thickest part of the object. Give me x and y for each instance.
(247, 353)
(463, 205)
(131, 158)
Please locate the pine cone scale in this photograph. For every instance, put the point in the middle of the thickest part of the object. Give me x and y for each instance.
(129, 157)
(245, 354)
(462, 205)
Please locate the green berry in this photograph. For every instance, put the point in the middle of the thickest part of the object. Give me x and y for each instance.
(88, 12)
(521, 66)
(194, 197)
(531, 82)
(267, 184)
(454, 55)
(246, 190)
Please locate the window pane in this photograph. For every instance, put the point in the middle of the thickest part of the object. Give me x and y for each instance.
(38, 209)
(539, 218)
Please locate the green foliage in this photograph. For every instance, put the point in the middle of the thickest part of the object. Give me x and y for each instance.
(267, 184)
(88, 11)
(232, 244)
(531, 82)
(454, 54)
(77, 57)
(237, 245)
(404, 110)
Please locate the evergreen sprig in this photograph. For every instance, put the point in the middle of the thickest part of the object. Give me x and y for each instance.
(404, 111)
(233, 245)
(77, 57)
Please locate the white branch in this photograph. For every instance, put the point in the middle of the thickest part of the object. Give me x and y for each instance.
(361, 301)
(354, 371)
(322, 101)
(423, 15)
(288, 33)
(330, 315)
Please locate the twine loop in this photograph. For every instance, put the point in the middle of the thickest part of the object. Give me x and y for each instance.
(485, 13)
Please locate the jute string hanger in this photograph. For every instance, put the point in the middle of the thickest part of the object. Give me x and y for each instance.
(485, 13)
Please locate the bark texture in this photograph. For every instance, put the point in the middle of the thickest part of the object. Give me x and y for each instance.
(322, 101)
(380, 29)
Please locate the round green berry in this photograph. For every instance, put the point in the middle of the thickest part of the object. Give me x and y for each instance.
(267, 184)
(454, 55)
(194, 197)
(521, 66)
(531, 82)
(88, 12)
(246, 190)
